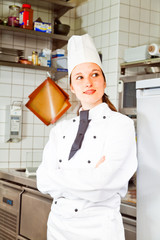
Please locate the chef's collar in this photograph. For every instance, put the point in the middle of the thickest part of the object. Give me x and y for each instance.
(99, 111)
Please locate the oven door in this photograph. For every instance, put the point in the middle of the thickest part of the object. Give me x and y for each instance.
(127, 97)
(35, 208)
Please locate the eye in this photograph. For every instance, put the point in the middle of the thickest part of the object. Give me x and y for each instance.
(95, 75)
(79, 78)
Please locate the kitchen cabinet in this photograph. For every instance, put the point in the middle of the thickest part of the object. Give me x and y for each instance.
(58, 8)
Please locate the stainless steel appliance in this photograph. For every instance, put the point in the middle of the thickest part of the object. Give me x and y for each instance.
(129, 220)
(128, 210)
(35, 208)
(148, 175)
(9, 210)
(127, 84)
(10, 55)
(127, 96)
(23, 209)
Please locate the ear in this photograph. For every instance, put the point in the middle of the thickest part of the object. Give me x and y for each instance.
(72, 89)
(105, 85)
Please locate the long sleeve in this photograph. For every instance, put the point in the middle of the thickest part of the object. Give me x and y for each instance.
(48, 166)
(110, 178)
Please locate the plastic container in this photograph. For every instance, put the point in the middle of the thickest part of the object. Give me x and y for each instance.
(26, 17)
(35, 58)
(13, 18)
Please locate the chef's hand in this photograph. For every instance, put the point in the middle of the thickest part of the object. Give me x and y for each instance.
(100, 161)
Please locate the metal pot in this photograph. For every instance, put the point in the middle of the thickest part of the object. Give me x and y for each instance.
(60, 28)
(152, 69)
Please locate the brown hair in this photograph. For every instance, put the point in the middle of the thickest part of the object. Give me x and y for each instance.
(105, 98)
(110, 105)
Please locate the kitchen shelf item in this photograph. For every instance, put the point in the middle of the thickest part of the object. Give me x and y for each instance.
(48, 102)
(35, 58)
(62, 29)
(152, 69)
(13, 19)
(59, 28)
(25, 61)
(9, 54)
(145, 63)
(26, 17)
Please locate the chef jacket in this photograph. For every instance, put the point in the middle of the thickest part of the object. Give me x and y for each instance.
(83, 194)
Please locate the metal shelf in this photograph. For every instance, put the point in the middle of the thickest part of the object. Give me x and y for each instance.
(58, 75)
(20, 65)
(58, 40)
(58, 7)
(145, 63)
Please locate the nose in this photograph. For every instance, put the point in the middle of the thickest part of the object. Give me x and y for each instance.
(88, 82)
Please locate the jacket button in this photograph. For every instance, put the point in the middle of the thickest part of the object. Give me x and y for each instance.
(60, 160)
(104, 117)
(76, 210)
(63, 136)
(74, 120)
(89, 161)
(94, 136)
(55, 202)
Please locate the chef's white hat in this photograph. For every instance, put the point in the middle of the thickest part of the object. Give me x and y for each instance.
(81, 49)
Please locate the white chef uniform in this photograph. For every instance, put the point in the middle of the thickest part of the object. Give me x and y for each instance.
(87, 199)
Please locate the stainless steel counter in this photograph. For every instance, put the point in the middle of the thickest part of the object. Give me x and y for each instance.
(23, 209)
(18, 176)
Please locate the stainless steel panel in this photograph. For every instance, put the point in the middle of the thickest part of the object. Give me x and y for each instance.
(148, 177)
(23, 238)
(6, 235)
(130, 228)
(11, 51)
(7, 58)
(9, 210)
(34, 215)
(18, 177)
(127, 209)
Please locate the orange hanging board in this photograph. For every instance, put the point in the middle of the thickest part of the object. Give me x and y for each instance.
(48, 102)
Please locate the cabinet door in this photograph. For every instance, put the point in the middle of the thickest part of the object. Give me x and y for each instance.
(35, 209)
(130, 228)
(9, 209)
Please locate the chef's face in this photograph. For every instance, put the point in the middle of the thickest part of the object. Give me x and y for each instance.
(88, 84)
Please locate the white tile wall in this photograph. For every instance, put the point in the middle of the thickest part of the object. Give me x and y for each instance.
(16, 84)
(141, 25)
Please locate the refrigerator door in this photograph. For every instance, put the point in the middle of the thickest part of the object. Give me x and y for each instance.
(148, 174)
(148, 83)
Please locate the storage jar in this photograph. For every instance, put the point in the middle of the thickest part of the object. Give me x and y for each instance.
(13, 18)
(26, 17)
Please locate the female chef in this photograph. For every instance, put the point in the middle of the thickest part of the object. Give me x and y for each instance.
(89, 159)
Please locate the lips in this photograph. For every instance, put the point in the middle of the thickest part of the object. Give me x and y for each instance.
(90, 92)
